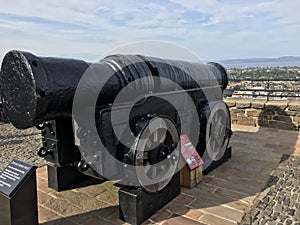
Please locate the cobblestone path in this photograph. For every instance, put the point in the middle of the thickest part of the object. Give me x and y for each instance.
(279, 203)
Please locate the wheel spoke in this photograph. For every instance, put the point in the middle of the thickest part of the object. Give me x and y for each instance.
(147, 168)
(163, 136)
(154, 171)
(151, 171)
(214, 145)
(155, 136)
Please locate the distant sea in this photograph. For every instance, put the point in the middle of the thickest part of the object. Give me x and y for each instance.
(261, 64)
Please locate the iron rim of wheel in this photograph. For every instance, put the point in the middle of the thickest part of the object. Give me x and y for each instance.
(159, 137)
(218, 124)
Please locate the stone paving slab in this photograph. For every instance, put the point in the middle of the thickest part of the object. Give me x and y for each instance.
(224, 196)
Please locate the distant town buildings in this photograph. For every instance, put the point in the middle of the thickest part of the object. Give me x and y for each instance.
(264, 82)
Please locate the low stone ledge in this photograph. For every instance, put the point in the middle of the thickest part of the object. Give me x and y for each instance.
(230, 102)
(258, 103)
(271, 111)
(237, 111)
(277, 104)
(243, 103)
(253, 112)
(233, 119)
(262, 122)
(294, 105)
(245, 120)
(282, 114)
(287, 112)
(296, 119)
(282, 118)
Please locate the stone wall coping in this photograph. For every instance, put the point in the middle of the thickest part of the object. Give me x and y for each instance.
(231, 102)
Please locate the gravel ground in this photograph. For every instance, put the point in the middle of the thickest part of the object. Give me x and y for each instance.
(279, 203)
(20, 144)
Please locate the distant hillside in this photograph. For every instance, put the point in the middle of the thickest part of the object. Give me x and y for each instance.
(262, 62)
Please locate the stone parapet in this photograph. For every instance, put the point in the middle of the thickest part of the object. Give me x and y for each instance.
(282, 114)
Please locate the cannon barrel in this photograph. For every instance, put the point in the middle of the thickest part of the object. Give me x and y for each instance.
(36, 89)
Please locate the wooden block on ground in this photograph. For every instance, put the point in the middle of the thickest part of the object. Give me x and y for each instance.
(190, 178)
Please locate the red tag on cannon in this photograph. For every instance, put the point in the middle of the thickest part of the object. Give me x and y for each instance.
(189, 153)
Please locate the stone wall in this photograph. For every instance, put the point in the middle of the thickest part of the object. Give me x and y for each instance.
(282, 114)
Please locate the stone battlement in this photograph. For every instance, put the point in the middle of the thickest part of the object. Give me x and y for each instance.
(282, 114)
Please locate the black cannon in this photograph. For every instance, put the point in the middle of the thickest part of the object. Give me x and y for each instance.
(120, 118)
